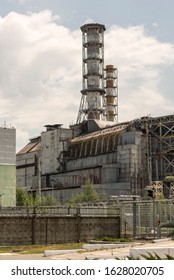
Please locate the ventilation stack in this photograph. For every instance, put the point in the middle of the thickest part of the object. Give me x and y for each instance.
(111, 86)
(93, 92)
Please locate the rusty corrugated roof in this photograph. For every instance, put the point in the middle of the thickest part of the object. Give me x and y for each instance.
(32, 146)
(111, 130)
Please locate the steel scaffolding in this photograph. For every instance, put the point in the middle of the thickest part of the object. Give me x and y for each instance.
(160, 146)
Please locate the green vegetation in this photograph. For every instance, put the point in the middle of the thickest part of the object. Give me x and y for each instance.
(169, 224)
(23, 198)
(111, 239)
(87, 196)
(39, 249)
(169, 179)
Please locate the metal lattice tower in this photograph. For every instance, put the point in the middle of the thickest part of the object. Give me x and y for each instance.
(92, 104)
(111, 77)
(160, 138)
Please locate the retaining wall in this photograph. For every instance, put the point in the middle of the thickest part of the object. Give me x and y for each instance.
(20, 230)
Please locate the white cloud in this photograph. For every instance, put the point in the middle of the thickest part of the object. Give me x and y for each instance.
(140, 59)
(21, 2)
(155, 24)
(41, 72)
(40, 68)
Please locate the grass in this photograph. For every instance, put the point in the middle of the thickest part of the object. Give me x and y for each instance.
(111, 239)
(39, 249)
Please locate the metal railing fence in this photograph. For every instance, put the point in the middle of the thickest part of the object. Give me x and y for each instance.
(89, 211)
(142, 218)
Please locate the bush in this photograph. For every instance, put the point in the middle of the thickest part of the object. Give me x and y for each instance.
(87, 196)
(23, 198)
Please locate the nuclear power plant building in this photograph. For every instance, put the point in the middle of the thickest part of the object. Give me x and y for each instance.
(118, 158)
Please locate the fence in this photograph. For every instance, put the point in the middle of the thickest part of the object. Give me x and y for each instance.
(98, 210)
(141, 219)
(51, 225)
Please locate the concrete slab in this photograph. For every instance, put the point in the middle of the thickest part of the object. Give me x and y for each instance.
(159, 246)
(100, 246)
(161, 240)
(138, 252)
(58, 252)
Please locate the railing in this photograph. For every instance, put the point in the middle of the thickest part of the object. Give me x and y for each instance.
(143, 218)
(60, 211)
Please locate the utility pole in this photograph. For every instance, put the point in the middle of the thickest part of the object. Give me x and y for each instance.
(39, 178)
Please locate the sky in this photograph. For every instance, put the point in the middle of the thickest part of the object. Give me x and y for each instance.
(41, 59)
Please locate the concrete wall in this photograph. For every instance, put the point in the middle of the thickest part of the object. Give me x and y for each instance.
(21, 230)
(92, 161)
(7, 146)
(53, 144)
(7, 167)
(7, 185)
(115, 173)
(119, 171)
(64, 194)
(27, 169)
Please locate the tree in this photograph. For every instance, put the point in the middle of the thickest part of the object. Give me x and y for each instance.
(48, 200)
(23, 198)
(103, 196)
(88, 195)
(169, 179)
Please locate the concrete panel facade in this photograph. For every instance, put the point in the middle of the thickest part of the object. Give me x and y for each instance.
(54, 145)
(64, 194)
(7, 167)
(27, 169)
(112, 161)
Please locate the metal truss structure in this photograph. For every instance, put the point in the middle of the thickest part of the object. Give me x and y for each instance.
(159, 133)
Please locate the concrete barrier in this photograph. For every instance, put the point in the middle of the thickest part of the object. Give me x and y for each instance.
(160, 251)
(58, 252)
(93, 247)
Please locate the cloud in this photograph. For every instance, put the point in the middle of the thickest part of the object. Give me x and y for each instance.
(41, 72)
(141, 60)
(155, 24)
(21, 2)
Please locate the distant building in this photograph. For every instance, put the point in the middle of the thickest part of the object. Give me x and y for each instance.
(7, 167)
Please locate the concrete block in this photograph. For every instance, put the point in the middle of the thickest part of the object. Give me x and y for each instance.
(171, 251)
(58, 252)
(93, 247)
(160, 251)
